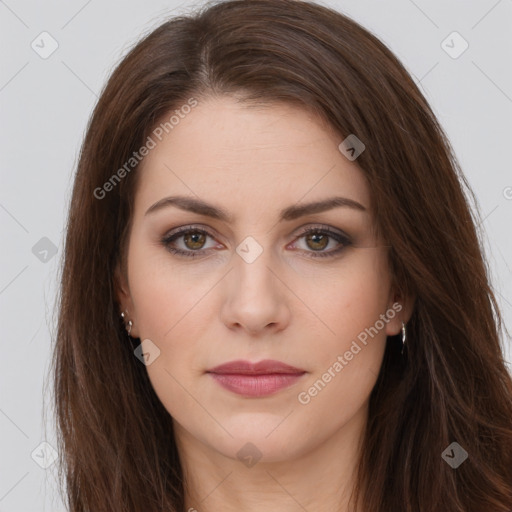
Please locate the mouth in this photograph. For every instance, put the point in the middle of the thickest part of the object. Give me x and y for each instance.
(255, 379)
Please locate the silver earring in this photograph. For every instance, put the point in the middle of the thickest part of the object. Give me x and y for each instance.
(129, 323)
(404, 337)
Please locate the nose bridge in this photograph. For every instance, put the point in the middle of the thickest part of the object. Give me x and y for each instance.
(252, 270)
(254, 296)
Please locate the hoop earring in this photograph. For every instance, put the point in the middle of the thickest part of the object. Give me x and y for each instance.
(404, 337)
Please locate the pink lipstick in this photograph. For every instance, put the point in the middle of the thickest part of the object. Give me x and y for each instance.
(255, 379)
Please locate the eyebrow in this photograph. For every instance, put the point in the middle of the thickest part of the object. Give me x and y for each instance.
(290, 213)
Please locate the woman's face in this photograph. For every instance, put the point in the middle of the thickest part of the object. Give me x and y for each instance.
(255, 287)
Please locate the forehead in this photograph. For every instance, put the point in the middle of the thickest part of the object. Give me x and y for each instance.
(248, 158)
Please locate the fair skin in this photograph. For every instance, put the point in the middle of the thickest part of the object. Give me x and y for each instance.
(286, 305)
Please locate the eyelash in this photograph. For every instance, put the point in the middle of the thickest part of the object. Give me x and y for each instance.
(322, 230)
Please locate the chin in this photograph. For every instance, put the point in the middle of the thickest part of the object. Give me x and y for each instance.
(265, 439)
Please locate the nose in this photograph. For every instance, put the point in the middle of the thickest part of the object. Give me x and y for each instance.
(257, 300)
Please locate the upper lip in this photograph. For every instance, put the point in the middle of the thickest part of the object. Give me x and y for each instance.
(265, 367)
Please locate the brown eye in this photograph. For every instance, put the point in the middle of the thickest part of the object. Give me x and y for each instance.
(317, 241)
(194, 240)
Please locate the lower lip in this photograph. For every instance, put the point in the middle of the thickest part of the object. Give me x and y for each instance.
(256, 385)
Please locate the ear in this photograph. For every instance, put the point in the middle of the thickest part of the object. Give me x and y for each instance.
(400, 309)
(124, 299)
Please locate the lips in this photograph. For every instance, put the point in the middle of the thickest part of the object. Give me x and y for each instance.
(255, 379)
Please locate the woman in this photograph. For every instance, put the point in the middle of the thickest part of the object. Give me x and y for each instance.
(273, 293)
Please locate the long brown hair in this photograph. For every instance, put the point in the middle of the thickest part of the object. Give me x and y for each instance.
(117, 452)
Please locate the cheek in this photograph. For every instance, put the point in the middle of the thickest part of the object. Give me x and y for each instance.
(170, 314)
(173, 318)
(348, 359)
(172, 305)
(342, 387)
(348, 299)
(162, 293)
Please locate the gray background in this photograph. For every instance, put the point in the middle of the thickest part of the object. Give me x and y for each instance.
(45, 105)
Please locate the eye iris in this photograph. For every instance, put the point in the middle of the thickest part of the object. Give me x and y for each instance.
(194, 238)
(320, 240)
